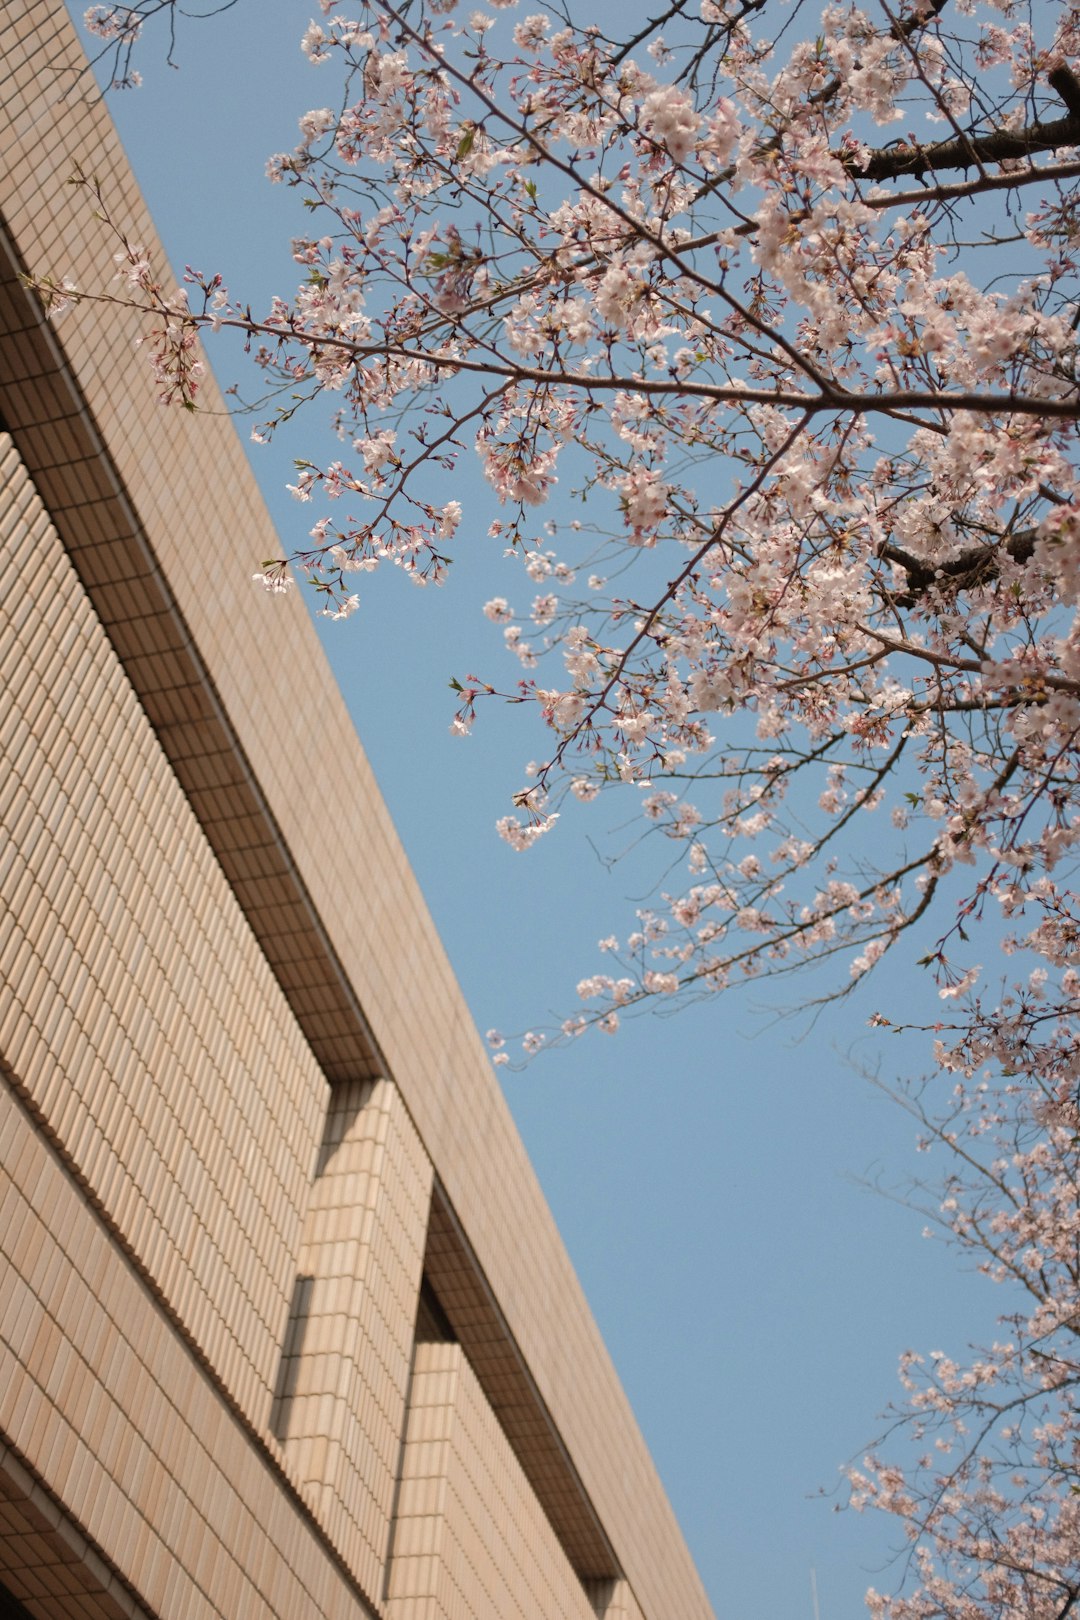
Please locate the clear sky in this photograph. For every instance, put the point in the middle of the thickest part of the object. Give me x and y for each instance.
(707, 1172)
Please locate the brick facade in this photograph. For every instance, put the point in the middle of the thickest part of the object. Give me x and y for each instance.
(264, 1348)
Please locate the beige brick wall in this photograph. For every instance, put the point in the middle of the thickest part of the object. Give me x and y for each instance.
(470, 1541)
(45, 1560)
(341, 1412)
(139, 1022)
(136, 1011)
(107, 1406)
(355, 957)
(613, 1600)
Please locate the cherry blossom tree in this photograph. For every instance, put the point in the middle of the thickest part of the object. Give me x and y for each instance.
(792, 318)
(990, 1494)
(761, 320)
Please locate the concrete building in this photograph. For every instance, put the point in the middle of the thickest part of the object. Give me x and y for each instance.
(286, 1328)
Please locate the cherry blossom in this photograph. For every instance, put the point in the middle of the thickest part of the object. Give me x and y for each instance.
(987, 1488)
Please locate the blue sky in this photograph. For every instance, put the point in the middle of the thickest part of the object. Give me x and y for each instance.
(707, 1172)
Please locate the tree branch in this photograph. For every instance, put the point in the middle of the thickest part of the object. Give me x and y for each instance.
(971, 568)
(967, 151)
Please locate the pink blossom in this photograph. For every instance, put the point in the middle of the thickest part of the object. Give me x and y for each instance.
(668, 116)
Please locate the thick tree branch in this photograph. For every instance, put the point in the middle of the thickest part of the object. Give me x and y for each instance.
(968, 151)
(973, 567)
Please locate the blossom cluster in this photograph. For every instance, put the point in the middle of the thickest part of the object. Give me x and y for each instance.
(988, 1491)
(826, 447)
